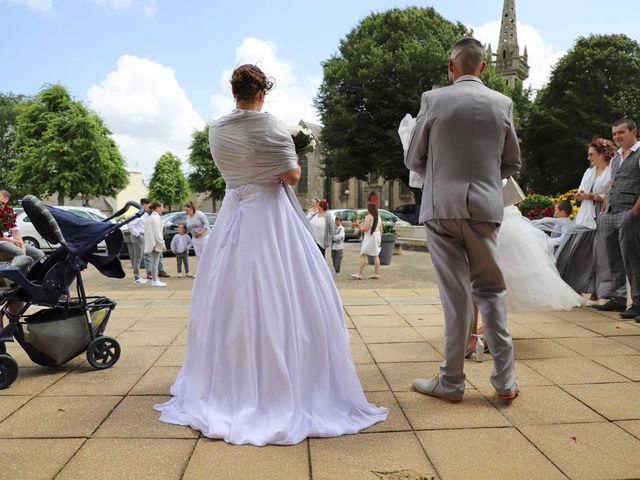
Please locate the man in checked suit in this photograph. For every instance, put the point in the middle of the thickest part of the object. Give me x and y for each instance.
(464, 144)
(619, 226)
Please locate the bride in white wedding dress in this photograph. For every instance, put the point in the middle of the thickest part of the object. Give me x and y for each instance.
(268, 357)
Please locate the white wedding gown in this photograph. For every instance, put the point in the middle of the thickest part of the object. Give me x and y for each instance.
(268, 357)
(529, 269)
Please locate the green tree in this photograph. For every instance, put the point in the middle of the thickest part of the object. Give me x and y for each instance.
(592, 86)
(168, 184)
(61, 147)
(204, 176)
(382, 67)
(9, 103)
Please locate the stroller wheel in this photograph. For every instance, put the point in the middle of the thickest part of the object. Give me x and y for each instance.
(103, 352)
(8, 370)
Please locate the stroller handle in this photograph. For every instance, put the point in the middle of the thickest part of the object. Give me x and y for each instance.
(120, 212)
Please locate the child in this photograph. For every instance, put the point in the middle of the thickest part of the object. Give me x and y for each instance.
(180, 246)
(563, 210)
(337, 246)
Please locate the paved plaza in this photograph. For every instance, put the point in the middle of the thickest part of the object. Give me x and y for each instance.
(578, 415)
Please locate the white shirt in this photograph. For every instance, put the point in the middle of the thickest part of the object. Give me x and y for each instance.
(136, 227)
(560, 232)
(319, 227)
(632, 149)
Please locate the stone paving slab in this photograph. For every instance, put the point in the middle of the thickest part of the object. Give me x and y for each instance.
(590, 451)
(129, 459)
(498, 453)
(579, 373)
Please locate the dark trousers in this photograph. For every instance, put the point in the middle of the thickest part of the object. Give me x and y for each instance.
(183, 258)
(336, 256)
(620, 232)
(322, 249)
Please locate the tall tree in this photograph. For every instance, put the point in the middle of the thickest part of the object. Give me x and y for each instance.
(168, 184)
(204, 176)
(593, 85)
(9, 103)
(61, 147)
(382, 67)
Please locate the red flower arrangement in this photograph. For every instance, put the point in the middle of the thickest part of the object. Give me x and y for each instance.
(7, 218)
(536, 206)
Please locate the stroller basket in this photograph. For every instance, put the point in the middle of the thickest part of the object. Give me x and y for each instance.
(53, 336)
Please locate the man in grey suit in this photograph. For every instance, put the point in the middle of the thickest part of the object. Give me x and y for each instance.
(619, 226)
(464, 144)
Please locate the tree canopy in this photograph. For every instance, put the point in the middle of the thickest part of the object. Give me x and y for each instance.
(9, 103)
(593, 85)
(61, 147)
(382, 67)
(204, 176)
(168, 184)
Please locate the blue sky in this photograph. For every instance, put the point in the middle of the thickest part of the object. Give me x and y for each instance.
(157, 69)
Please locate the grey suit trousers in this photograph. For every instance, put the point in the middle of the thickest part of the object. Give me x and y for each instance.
(464, 255)
(620, 232)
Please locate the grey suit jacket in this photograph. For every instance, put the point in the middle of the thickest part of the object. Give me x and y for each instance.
(464, 144)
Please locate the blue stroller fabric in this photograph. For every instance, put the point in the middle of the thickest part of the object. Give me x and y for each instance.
(82, 236)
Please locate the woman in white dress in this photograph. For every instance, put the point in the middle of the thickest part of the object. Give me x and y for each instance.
(371, 243)
(268, 357)
(581, 258)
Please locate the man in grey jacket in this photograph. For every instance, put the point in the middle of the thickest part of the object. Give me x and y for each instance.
(464, 144)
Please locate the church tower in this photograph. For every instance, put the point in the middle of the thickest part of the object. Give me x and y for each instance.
(508, 61)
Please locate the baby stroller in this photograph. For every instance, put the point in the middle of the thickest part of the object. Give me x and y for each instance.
(63, 325)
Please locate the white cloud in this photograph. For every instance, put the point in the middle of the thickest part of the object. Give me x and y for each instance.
(39, 6)
(148, 7)
(292, 98)
(147, 111)
(542, 56)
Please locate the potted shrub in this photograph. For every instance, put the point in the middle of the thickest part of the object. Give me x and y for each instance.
(388, 243)
(536, 206)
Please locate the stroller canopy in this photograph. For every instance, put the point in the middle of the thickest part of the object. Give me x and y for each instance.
(80, 236)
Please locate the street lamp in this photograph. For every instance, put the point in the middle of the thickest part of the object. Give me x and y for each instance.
(346, 194)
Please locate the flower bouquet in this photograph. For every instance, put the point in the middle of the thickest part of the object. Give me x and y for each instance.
(7, 218)
(303, 140)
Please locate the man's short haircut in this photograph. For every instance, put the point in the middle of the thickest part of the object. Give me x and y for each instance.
(631, 125)
(565, 206)
(5, 194)
(468, 54)
(145, 201)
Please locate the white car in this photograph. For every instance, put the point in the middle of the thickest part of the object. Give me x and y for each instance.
(388, 217)
(30, 235)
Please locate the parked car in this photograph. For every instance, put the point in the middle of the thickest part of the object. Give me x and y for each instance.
(348, 216)
(387, 217)
(30, 235)
(173, 219)
(408, 212)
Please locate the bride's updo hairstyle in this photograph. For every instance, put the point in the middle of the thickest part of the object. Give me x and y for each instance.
(604, 147)
(247, 80)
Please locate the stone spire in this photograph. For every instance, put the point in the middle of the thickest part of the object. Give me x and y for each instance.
(508, 61)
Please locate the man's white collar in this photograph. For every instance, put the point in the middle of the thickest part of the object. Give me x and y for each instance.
(633, 149)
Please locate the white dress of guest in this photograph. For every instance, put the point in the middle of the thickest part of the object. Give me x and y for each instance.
(580, 258)
(371, 242)
(528, 266)
(268, 357)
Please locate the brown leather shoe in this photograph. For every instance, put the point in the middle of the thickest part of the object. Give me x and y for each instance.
(163, 274)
